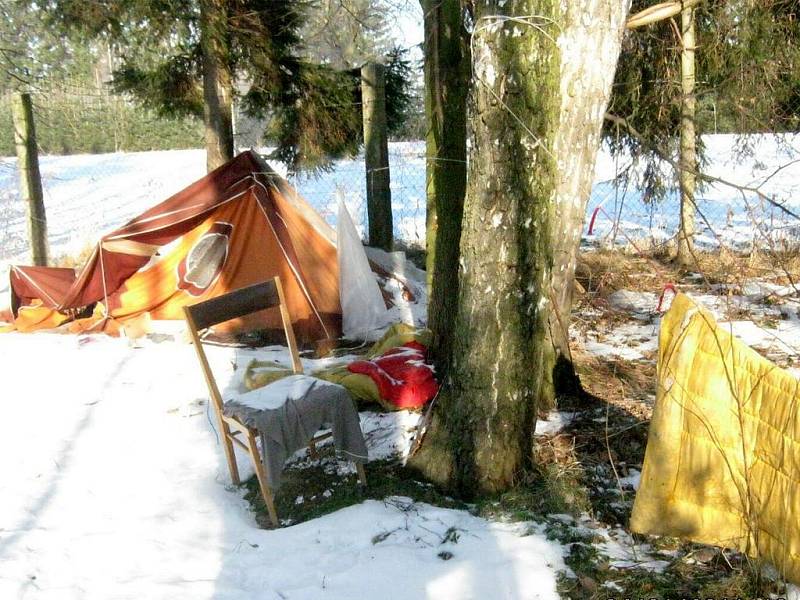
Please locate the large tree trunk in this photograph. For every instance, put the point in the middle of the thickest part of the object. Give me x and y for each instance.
(688, 158)
(542, 77)
(217, 83)
(589, 59)
(446, 84)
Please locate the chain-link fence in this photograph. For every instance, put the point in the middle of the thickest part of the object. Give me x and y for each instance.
(87, 195)
(748, 196)
(348, 182)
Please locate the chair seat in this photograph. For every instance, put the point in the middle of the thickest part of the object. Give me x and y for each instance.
(289, 412)
(275, 394)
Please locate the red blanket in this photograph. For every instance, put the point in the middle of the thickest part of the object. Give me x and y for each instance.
(401, 374)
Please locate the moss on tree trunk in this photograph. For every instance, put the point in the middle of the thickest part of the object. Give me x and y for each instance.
(446, 84)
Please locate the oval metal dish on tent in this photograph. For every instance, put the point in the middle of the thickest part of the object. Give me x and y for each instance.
(204, 262)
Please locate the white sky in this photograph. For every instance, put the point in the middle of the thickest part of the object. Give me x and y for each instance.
(408, 28)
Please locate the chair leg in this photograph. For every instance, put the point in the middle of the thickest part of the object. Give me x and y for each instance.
(362, 475)
(230, 456)
(261, 475)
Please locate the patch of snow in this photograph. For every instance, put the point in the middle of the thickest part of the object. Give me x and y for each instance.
(629, 301)
(122, 492)
(605, 350)
(555, 422)
(792, 592)
(722, 305)
(613, 586)
(562, 517)
(389, 435)
(629, 341)
(632, 480)
(625, 553)
(783, 339)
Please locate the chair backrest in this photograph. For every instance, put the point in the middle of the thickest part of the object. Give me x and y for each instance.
(233, 305)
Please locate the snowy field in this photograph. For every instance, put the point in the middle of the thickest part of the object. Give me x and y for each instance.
(114, 486)
(735, 217)
(88, 195)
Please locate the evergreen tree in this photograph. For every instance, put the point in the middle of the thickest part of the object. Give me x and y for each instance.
(747, 80)
(67, 80)
(749, 58)
(347, 33)
(181, 57)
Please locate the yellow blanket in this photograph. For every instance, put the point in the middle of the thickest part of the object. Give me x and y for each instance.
(260, 373)
(722, 465)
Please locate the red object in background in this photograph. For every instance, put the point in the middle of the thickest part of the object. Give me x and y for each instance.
(667, 288)
(401, 374)
(592, 220)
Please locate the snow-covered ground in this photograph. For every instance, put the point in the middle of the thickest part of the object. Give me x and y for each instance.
(114, 486)
(773, 328)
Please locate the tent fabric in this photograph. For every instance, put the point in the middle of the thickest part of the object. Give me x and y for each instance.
(37, 316)
(722, 464)
(43, 283)
(363, 307)
(238, 225)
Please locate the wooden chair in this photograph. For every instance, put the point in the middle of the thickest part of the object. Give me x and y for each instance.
(233, 431)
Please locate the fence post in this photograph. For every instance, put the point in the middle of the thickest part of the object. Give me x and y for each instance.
(688, 158)
(29, 177)
(376, 155)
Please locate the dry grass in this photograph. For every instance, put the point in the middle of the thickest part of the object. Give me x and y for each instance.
(603, 272)
(75, 261)
(616, 381)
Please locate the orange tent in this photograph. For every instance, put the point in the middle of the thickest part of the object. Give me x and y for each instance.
(238, 225)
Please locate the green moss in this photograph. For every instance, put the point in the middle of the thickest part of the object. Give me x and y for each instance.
(324, 491)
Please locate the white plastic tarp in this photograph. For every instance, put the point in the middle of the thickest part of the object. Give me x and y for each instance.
(363, 308)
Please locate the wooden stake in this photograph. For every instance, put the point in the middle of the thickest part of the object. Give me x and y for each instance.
(688, 156)
(376, 155)
(30, 178)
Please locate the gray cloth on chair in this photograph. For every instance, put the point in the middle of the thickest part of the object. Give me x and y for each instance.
(287, 423)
